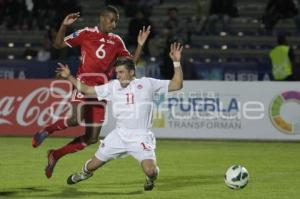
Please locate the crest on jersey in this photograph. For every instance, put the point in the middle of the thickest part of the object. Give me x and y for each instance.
(76, 33)
(140, 86)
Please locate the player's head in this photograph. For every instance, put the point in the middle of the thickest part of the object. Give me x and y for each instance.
(109, 18)
(172, 12)
(125, 70)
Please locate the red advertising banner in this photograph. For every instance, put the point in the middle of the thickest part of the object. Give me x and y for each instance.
(27, 106)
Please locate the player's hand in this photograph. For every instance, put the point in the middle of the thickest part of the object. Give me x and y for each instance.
(175, 51)
(143, 35)
(71, 18)
(63, 71)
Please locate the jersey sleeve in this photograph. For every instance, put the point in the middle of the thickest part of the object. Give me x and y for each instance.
(76, 38)
(122, 50)
(159, 86)
(104, 91)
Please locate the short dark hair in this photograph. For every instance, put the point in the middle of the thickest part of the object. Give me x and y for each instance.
(127, 61)
(110, 8)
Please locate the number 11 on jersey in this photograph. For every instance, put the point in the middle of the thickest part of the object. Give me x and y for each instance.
(130, 98)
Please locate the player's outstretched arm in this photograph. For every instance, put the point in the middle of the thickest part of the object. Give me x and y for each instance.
(64, 72)
(59, 39)
(141, 39)
(175, 54)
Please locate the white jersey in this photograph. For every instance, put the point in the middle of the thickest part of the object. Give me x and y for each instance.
(132, 106)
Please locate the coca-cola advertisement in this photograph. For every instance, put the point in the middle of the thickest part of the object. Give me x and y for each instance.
(27, 106)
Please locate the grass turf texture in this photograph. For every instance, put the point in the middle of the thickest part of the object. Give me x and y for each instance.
(188, 169)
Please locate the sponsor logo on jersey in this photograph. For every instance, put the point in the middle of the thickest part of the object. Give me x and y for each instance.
(110, 42)
(107, 41)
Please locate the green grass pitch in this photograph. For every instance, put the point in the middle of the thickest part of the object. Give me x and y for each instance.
(188, 170)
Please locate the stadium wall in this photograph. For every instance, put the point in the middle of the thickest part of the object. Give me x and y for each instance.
(202, 110)
(231, 110)
(28, 105)
(196, 70)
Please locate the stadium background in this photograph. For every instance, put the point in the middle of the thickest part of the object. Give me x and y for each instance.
(237, 51)
(213, 56)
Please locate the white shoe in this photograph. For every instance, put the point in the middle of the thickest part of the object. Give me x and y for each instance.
(79, 176)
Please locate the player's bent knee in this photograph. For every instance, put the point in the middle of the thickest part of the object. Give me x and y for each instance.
(150, 171)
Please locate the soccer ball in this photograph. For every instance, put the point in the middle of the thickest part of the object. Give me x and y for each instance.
(236, 177)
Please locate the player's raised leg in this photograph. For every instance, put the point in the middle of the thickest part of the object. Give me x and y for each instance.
(59, 125)
(91, 136)
(94, 117)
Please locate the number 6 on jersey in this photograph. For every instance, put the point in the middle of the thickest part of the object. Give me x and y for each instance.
(100, 52)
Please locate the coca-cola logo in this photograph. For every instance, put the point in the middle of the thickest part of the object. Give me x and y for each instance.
(38, 106)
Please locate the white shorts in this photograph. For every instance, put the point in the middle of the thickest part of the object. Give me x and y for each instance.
(138, 143)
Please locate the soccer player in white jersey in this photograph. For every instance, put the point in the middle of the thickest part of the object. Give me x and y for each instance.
(132, 104)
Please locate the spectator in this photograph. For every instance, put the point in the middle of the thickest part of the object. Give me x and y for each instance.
(147, 5)
(2, 11)
(297, 18)
(200, 17)
(220, 10)
(175, 25)
(14, 14)
(282, 58)
(166, 67)
(114, 2)
(43, 13)
(28, 15)
(277, 10)
(131, 7)
(135, 25)
(158, 43)
(44, 53)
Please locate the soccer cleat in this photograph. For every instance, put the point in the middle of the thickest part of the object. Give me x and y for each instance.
(38, 138)
(149, 184)
(51, 164)
(77, 177)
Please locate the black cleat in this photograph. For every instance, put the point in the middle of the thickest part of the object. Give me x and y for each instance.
(149, 184)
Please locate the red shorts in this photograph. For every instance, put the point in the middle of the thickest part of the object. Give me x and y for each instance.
(94, 110)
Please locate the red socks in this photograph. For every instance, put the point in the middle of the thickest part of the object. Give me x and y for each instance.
(58, 125)
(72, 147)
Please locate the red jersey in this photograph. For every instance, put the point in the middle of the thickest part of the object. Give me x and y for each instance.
(98, 51)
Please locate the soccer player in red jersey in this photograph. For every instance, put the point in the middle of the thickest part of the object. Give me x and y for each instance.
(99, 50)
